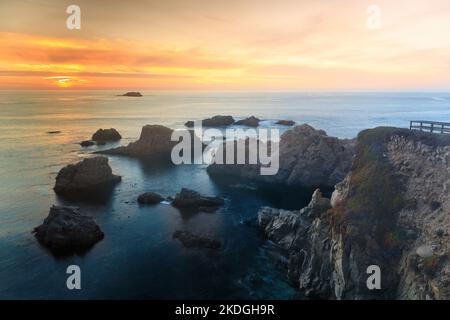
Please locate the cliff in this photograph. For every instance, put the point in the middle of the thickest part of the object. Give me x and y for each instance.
(391, 210)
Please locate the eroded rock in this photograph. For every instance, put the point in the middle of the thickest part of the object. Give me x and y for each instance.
(88, 175)
(105, 135)
(67, 230)
(191, 200)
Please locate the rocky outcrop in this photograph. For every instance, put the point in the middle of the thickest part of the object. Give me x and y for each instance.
(106, 135)
(192, 240)
(216, 121)
(250, 122)
(285, 122)
(88, 175)
(307, 157)
(150, 198)
(132, 94)
(391, 210)
(154, 142)
(191, 200)
(66, 230)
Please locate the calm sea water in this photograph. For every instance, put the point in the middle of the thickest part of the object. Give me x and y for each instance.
(138, 257)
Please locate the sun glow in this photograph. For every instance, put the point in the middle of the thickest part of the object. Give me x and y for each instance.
(66, 81)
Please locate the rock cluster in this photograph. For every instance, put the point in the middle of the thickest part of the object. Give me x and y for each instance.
(216, 121)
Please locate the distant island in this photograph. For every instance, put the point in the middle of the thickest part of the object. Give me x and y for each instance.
(131, 94)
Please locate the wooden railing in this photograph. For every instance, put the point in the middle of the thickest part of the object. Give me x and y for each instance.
(430, 126)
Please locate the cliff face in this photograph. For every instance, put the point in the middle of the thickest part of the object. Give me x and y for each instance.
(392, 210)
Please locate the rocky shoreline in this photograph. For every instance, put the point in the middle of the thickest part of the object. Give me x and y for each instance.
(390, 208)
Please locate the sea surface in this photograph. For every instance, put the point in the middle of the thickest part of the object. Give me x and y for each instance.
(138, 258)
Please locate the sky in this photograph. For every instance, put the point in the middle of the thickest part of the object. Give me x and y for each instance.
(226, 45)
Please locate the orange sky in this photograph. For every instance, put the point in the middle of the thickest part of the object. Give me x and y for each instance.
(226, 45)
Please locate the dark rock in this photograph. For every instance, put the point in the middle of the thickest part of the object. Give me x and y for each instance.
(285, 122)
(53, 132)
(250, 121)
(132, 94)
(150, 198)
(192, 200)
(87, 143)
(106, 135)
(91, 174)
(308, 158)
(65, 230)
(216, 121)
(192, 240)
(154, 141)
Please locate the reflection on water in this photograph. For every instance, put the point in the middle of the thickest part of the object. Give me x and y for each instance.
(138, 257)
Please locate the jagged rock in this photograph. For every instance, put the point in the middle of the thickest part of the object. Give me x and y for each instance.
(154, 142)
(370, 221)
(307, 157)
(250, 121)
(150, 198)
(192, 240)
(283, 226)
(91, 174)
(106, 135)
(192, 200)
(285, 122)
(132, 94)
(66, 229)
(216, 121)
(87, 143)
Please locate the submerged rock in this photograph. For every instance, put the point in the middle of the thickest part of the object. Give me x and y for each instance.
(216, 121)
(192, 240)
(150, 198)
(87, 143)
(67, 230)
(250, 121)
(106, 135)
(192, 200)
(285, 122)
(132, 94)
(88, 175)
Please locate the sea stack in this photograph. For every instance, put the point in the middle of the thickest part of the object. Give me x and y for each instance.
(88, 175)
(66, 230)
(104, 135)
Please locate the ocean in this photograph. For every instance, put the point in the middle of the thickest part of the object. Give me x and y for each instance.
(138, 258)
